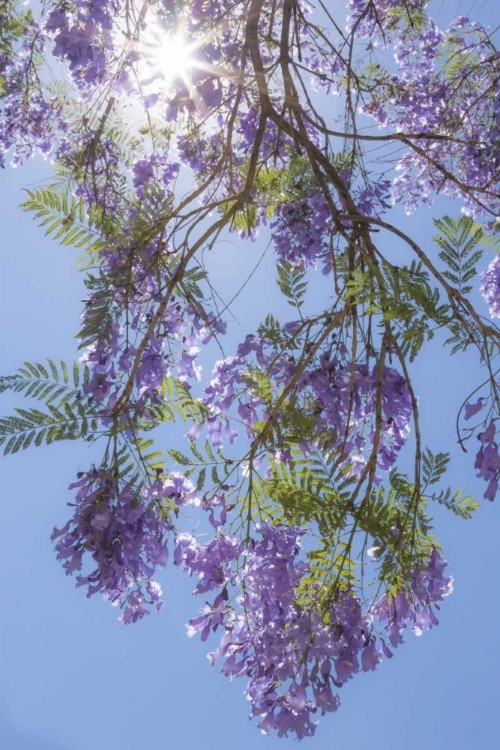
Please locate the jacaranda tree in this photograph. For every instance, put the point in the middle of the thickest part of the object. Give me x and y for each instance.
(172, 125)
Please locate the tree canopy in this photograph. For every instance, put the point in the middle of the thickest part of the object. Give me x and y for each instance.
(316, 126)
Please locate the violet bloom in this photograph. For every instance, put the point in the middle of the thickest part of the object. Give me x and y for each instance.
(211, 562)
(285, 651)
(428, 589)
(488, 461)
(124, 536)
(152, 370)
(472, 409)
(490, 287)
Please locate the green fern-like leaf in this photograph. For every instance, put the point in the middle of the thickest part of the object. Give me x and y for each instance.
(65, 219)
(34, 380)
(292, 283)
(67, 415)
(434, 467)
(458, 249)
(33, 426)
(462, 506)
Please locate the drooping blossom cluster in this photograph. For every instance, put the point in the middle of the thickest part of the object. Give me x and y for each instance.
(455, 111)
(31, 121)
(415, 609)
(155, 168)
(172, 345)
(294, 654)
(83, 36)
(348, 399)
(301, 230)
(124, 534)
(487, 460)
(490, 287)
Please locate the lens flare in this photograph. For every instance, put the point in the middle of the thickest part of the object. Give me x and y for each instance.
(172, 56)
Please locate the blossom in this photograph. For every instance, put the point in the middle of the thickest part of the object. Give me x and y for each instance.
(472, 409)
(126, 538)
(490, 287)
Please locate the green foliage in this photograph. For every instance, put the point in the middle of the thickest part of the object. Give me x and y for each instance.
(276, 186)
(404, 538)
(402, 296)
(100, 316)
(190, 283)
(311, 490)
(28, 426)
(13, 23)
(65, 219)
(68, 415)
(292, 283)
(414, 305)
(471, 334)
(151, 214)
(181, 400)
(331, 569)
(458, 242)
(434, 467)
(407, 16)
(271, 329)
(159, 133)
(272, 187)
(462, 506)
(46, 384)
(245, 219)
(210, 463)
(134, 464)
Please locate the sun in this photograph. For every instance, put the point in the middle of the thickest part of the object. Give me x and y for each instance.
(167, 56)
(174, 66)
(172, 56)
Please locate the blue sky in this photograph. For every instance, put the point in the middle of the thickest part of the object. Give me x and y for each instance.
(73, 678)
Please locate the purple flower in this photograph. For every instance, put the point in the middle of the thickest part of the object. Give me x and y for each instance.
(490, 287)
(124, 537)
(428, 588)
(472, 409)
(152, 370)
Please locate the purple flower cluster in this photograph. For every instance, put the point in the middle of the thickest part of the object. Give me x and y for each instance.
(126, 537)
(231, 383)
(83, 36)
(347, 395)
(173, 345)
(422, 97)
(488, 460)
(211, 562)
(154, 168)
(302, 229)
(292, 653)
(348, 400)
(490, 287)
(30, 122)
(414, 608)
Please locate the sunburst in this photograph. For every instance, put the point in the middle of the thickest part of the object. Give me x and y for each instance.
(170, 55)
